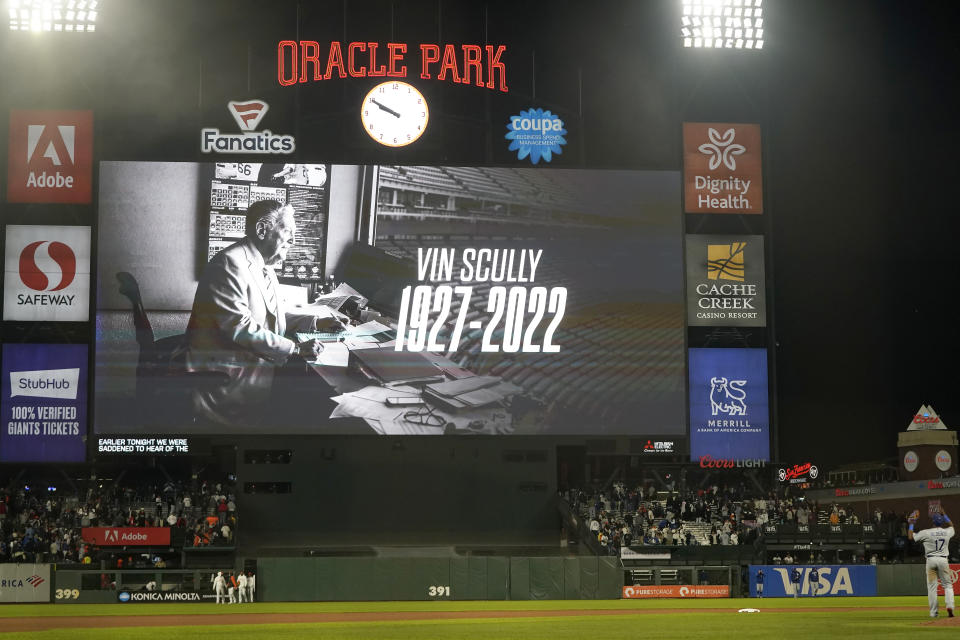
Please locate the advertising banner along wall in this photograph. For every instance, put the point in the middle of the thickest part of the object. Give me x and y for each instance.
(24, 582)
(44, 403)
(835, 580)
(126, 536)
(729, 412)
(677, 591)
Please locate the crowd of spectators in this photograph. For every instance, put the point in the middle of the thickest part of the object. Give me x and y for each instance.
(43, 523)
(731, 514)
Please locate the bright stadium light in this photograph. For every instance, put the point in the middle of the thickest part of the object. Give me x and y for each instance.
(78, 16)
(722, 24)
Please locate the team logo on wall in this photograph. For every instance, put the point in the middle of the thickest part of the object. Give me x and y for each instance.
(725, 281)
(247, 114)
(47, 273)
(722, 168)
(50, 156)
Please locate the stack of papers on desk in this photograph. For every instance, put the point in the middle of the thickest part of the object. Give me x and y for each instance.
(469, 393)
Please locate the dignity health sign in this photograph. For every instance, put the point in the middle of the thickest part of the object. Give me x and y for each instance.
(44, 403)
(722, 168)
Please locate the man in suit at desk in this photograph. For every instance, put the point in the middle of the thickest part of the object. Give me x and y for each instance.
(237, 326)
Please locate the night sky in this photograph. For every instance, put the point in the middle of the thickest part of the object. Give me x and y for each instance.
(857, 100)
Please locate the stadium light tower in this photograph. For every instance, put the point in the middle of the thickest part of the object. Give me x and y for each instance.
(722, 24)
(76, 16)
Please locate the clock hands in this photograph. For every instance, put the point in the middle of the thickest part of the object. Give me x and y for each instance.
(384, 108)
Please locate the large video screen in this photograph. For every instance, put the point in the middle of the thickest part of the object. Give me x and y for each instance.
(394, 300)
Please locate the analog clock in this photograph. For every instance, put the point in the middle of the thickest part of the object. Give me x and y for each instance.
(394, 113)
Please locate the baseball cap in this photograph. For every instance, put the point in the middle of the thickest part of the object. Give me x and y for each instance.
(938, 519)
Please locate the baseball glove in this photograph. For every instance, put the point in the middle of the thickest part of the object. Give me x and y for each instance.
(914, 516)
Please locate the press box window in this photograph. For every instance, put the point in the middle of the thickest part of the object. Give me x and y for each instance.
(267, 487)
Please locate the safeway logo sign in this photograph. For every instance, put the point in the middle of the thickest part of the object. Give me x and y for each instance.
(47, 273)
(50, 156)
(34, 276)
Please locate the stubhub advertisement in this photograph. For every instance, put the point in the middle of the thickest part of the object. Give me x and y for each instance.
(729, 407)
(44, 403)
(835, 580)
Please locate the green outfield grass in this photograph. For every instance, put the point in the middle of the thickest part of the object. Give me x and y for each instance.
(718, 619)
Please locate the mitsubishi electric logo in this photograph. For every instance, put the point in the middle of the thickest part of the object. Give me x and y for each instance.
(57, 143)
(247, 114)
(728, 397)
(722, 149)
(726, 261)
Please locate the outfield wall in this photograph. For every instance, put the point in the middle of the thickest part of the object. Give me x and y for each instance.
(469, 578)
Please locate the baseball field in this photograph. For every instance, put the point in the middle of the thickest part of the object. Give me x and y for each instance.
(550, 620)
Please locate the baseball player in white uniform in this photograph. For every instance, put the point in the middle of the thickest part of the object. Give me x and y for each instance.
(220, 587)
(241, 585)
(936, 544)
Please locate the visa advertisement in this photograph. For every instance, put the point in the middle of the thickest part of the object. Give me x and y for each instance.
(478, 301)
(44, 403)
(729, 406)
(835, 580)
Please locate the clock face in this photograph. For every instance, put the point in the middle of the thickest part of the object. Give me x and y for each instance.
(394, 113)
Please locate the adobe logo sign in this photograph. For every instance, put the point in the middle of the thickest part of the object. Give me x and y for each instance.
(47, 273)
(50, 157)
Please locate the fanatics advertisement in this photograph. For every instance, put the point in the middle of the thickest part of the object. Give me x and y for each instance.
(729, 414)
(44, 403)
(47, 274)
(479, 301)
(722, 168)
(50, 156)
(24, 582)
(835, 580)
(725, 281)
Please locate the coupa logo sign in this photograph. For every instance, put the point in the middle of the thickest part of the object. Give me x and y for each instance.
(536, 134)
(247, 114)
(728, 397)
(50, 156)
(47, 273)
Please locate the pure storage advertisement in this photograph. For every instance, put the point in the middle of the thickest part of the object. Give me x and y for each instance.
(44, 397)
(729, 408)
(490, 301)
